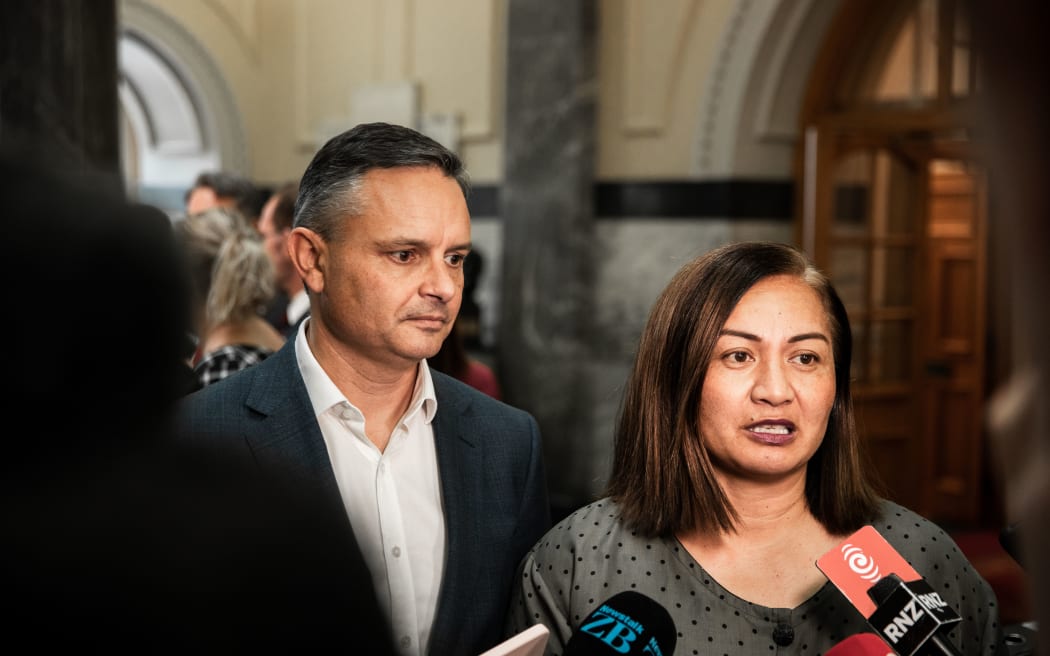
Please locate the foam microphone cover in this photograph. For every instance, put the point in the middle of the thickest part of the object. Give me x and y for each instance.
(627, 623)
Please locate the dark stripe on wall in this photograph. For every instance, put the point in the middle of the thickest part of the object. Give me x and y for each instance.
(732, 199)
(744, 199)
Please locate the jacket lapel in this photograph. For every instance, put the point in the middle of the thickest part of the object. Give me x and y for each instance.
(459, 464)
(287, 434)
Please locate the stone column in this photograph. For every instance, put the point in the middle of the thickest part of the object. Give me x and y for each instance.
(58, 85)
(546, 316)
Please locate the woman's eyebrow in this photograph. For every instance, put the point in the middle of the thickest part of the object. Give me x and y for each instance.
(804, 336)
(791, 340)
(741, 334)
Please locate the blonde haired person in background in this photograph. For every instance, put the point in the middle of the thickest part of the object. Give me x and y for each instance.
(232, 280)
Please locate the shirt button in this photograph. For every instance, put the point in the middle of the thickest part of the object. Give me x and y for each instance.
(783, 635)
(405, 641)
(396, 551)
(347, 414)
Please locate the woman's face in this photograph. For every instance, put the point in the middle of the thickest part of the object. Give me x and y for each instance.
(770, 385)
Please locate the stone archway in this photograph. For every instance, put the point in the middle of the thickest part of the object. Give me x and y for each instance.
(179, 117)
(749, 112)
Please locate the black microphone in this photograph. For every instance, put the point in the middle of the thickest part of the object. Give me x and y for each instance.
(626, 623)
(1010, 541)
(912, 618)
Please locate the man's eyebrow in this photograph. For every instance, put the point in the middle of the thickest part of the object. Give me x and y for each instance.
(406, 242)
(791, 340)
(400, 242)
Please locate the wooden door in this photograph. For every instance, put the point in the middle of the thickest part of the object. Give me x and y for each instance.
(952, 378)
(899, 234)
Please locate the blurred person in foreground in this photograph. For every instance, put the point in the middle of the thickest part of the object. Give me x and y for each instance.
(291, 303)
(116, 537)
(736, 466)
(1015, 139)
(232, 280)
(443, 486)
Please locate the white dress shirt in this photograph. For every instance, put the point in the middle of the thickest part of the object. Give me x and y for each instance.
(393, 498)
(298, 305)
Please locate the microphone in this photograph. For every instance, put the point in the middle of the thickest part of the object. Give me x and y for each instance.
(905, 611)
(1010, 541)
(626, 623)
(862, 644)
(913, 617)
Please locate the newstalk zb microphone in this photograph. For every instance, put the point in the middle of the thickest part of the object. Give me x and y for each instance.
(626, 623)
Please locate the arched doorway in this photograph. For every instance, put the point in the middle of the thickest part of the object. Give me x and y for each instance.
(178, 116)
(893, 206)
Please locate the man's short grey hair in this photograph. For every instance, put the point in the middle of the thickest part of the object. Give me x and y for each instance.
(329, 191)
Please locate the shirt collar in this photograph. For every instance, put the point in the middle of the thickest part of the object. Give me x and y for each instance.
(324, 394)
(298, 305)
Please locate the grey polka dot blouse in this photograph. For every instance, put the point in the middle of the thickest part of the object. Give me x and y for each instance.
(590, 556)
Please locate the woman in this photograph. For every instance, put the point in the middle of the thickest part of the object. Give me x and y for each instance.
(233, 280)
(737, 465)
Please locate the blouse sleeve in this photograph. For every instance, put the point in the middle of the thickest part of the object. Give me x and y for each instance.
(532, 602)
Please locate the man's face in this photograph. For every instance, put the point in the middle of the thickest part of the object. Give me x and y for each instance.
(276, 243)
(202, 198)
(393, 281)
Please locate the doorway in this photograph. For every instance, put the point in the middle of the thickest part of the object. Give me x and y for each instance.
(894, 209)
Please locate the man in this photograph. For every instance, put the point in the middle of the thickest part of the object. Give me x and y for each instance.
(444, 486)
(225, 189)
(275, 226)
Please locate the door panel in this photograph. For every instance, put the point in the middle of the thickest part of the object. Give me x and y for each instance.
(954, 345)
(899, 233)
(870, 242)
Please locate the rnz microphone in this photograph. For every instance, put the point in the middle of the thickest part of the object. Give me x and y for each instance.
(626, 623)
(862, 644)
(912, 617)
(902, 608)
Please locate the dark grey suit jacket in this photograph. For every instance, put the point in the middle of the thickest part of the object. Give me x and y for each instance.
(490, 462)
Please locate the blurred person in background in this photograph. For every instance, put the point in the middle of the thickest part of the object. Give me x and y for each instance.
(226, 189)
(454, 359)
(291, 303)
(232, 280)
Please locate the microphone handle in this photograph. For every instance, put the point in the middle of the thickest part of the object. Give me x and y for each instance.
(939, 645)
